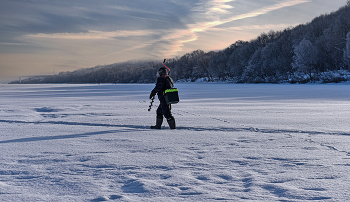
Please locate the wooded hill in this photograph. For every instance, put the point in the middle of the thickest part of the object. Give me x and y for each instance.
(318, 51)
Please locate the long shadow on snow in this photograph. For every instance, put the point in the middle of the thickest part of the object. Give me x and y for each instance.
(58, 137)
(138, 128)
(251, 129)
(73, 124)
(127, 128)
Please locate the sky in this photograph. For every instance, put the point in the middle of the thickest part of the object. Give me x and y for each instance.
(40, 37)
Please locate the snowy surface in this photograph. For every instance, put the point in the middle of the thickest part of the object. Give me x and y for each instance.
(234, 142)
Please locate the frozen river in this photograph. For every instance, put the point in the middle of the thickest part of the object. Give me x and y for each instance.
(233, 142)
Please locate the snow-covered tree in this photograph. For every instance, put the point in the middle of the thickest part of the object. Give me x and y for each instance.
(305, 57)
(347, 51)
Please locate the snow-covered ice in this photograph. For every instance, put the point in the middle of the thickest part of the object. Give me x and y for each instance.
(234, 142)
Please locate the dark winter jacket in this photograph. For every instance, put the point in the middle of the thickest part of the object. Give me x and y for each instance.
(163, 83)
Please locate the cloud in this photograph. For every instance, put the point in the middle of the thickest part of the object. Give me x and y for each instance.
(92, 35)
(253, 27)
(261, 11)
(264, 10)
(220, 6)
(173, 39)
(213, 7)
(110, 31)
(128, 9)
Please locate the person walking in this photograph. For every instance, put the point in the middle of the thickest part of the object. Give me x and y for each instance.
(163, 82)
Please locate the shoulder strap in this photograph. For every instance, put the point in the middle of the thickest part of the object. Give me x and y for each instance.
(171, 82)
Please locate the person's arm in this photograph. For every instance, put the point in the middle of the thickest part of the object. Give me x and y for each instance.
(158, 87)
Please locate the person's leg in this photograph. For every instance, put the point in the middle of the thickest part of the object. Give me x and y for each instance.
(169, 117)
(171, 122)
(159, 122)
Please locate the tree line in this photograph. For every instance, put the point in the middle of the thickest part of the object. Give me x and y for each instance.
(316, 51)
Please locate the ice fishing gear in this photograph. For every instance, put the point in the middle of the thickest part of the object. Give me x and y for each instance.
(151, 104)
(171, 96)
(166, 66)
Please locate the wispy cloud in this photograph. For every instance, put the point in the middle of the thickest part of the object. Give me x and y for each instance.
(253, 27)
(126, 8)
(258, 12)
(221, 7)
(214, 7)
(92, 35)
(12, 44)
(175, 39)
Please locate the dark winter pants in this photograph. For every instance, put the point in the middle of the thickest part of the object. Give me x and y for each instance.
(163, 109)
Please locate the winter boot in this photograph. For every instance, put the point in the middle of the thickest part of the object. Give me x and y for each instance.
(159, 122)
(171, 122)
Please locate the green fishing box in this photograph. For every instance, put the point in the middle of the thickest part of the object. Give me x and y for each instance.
(171, 96)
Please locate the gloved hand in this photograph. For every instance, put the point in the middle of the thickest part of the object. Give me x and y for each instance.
(151, 96)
